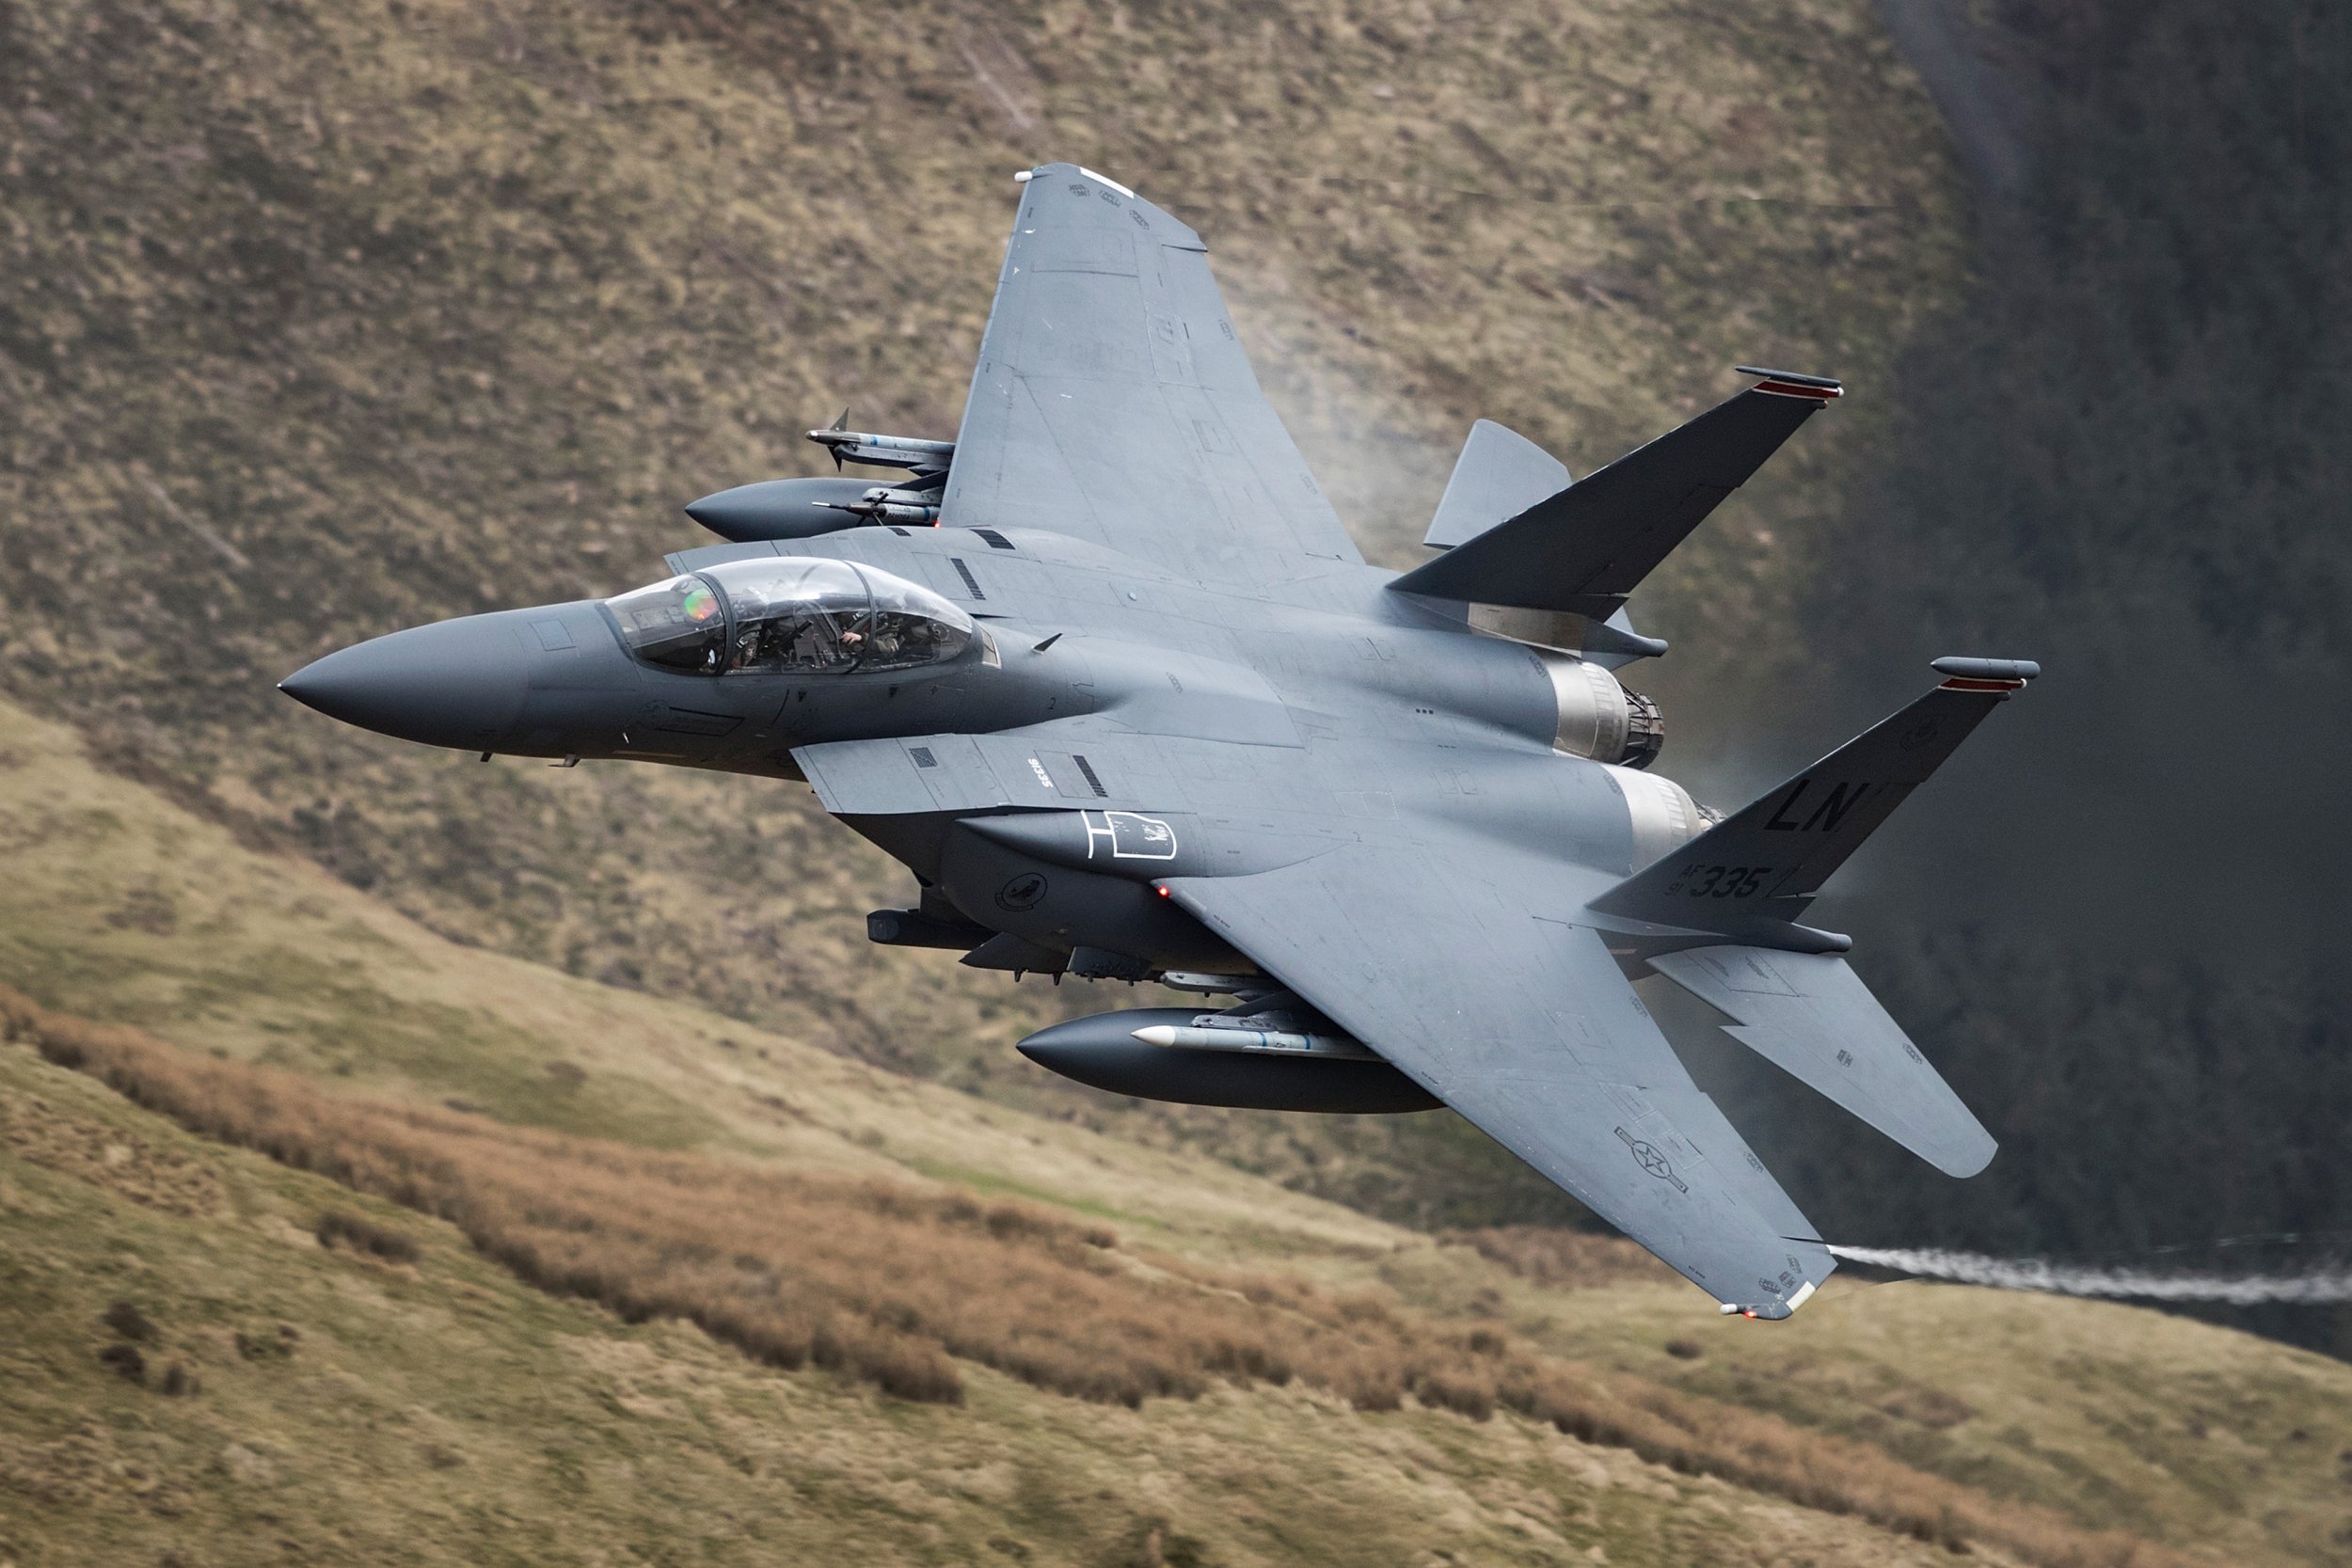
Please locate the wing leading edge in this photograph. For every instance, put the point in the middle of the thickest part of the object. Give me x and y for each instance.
(1460, 966)
(1112, 401)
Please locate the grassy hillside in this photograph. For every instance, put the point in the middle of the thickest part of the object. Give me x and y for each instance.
(335, 1406)
(433, 1407)
(320, 320)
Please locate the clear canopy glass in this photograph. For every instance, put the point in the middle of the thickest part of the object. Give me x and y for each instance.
(790, 615)
(678, 625)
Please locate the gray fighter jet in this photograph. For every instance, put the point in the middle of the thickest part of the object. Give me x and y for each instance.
(1107, 674)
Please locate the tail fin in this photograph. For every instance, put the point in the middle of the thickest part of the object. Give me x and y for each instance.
(1748, 878)
(1500, 475)
(1582, 549)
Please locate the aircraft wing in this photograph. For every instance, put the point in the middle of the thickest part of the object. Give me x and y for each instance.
(1112, 401)
(1462, 963)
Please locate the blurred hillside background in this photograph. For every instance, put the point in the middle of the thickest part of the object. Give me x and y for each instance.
(319, 321)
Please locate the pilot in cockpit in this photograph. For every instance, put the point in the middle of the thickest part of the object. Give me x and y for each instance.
(790, 615)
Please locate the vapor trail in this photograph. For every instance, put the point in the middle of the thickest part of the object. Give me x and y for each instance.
(2067, 1280)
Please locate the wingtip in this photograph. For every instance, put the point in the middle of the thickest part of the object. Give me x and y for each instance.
(1770, 1311)
(1967, 1160)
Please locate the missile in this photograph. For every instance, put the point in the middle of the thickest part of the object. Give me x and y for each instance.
(925, 517)
(886, 451)
(1215, 1038)
(882, 504)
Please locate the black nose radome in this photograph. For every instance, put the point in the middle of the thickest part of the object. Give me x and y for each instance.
(456, 683)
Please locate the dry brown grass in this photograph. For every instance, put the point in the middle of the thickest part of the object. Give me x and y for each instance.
(887, 1283)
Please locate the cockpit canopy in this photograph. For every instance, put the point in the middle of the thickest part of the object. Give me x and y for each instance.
(790, 615)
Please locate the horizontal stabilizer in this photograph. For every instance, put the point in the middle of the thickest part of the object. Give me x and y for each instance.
(1585, 548)
(1500, 475)
(1811, 1016)
(1750, 876)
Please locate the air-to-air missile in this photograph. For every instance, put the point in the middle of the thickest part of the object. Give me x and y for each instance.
(805, 507)
(910, 452)
(885, 504)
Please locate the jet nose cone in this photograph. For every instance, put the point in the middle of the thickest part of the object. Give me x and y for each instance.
(457, 683)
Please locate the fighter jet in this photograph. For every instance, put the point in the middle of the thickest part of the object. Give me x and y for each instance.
(1107, 674)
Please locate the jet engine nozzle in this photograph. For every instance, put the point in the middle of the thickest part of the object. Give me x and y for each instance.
(1599, 718)
(1646, 730)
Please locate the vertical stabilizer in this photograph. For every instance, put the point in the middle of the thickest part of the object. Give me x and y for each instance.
(1583, 549)
(1748, 878)
(1500, 475)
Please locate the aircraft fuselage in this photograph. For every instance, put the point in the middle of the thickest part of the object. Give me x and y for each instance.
(1329, 664)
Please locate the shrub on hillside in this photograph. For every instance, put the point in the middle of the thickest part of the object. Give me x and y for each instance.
(126, 1320)
(339, 1227)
